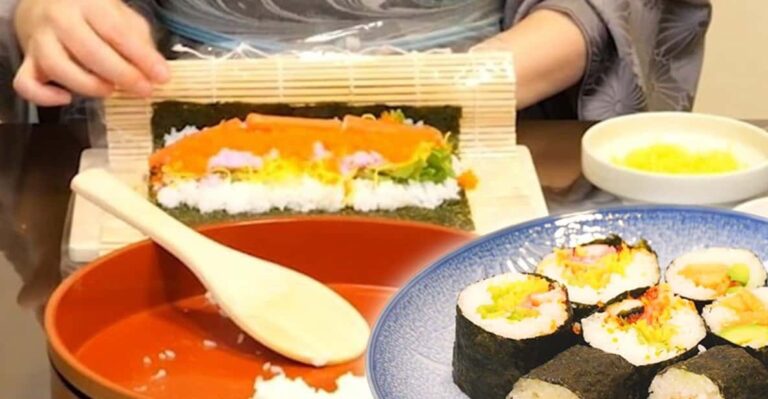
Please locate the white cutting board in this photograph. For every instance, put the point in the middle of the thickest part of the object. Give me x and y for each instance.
(95, 233)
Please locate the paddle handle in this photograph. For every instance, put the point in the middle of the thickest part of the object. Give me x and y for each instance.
(115, 197)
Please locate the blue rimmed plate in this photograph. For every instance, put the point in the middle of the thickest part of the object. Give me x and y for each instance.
(411, 347)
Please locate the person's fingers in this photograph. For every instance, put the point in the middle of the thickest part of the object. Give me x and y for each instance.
(87, 47)
(58, 66)
(31, 85)
(135, 46)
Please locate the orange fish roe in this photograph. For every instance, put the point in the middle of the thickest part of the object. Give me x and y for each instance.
(658, 301)
(468, 180)
(296, 138)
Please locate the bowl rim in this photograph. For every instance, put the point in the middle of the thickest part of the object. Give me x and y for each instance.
(375, 388)
(588, 150)
(87, 380)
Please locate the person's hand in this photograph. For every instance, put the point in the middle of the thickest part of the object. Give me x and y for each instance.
(89, 47)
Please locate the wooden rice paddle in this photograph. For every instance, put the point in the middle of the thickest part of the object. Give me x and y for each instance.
(287, 311)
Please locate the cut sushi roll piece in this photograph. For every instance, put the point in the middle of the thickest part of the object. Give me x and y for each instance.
(506, 326)
(706, 274)
(651, 330)
(581, 372)
(264, 164)
(741, 318)
(722, 372)
(598, 271)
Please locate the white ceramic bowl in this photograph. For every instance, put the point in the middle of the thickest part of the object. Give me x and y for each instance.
(616, 137)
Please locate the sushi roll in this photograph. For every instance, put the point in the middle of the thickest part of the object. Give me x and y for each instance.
(722, 372)
(741, 318)
(706, 274)
(505, 327)
(265, 163)
(581, 372)
(598, 271)
(651, 330)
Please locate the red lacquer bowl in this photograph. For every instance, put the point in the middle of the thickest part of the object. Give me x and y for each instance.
(108, 324)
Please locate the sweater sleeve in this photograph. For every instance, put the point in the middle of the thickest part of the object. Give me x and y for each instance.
(642, 54)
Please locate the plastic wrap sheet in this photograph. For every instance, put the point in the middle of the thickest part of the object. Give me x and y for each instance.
(276, 26)
(225, 29)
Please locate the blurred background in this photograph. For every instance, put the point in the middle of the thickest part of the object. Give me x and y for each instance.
(734, 80)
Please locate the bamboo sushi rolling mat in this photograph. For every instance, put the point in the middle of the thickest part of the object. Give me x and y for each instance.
(482, 84)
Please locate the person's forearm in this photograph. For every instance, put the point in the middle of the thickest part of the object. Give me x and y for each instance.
(550, 54)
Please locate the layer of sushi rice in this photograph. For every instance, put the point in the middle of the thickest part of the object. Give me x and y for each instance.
(678, 383)
(721, 372)
(348, 386)
(714, 257)
(641, 271)
(678, 329)
(552, 308)
(304, 195)
(537, 389)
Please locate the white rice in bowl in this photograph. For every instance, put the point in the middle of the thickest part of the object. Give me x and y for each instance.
(348, 386)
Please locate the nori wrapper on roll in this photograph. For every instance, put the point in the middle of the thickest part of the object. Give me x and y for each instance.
(486, 365)
(644, 374)
(736, 373)
(588, 372)
(712, 339)
(581, 310)
(176, 114)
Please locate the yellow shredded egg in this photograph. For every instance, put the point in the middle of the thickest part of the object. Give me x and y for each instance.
(676, 159)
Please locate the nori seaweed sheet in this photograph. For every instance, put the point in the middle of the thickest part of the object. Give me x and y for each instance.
(732, 369)
(582, 310)
(589, 373)
(615, 240)
(460, 217)
(176, 114)
(486, 365)
(644, 374)
(712, 339)
(699, 304)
